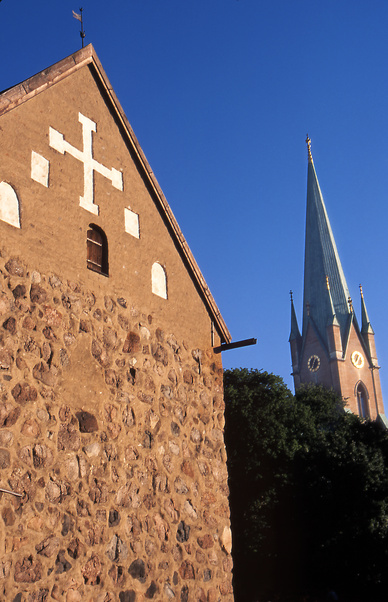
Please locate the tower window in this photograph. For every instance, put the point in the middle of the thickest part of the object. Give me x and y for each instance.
(362, 400)
(97, 250)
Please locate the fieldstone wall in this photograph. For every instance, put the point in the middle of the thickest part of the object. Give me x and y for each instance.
(111, 431)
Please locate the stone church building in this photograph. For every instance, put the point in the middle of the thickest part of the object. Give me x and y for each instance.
(111, 402)
(332, 350)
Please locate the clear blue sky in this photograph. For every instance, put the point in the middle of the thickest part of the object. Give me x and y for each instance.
(221, 94)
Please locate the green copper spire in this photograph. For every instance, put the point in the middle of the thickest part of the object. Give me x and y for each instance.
(322, 264)
(366, 327)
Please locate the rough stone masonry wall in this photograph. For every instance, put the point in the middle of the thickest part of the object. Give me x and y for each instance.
(111, 430)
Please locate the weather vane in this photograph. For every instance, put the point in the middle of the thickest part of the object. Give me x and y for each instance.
(79, 18)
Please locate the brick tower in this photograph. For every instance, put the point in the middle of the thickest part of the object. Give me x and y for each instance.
(332, 350)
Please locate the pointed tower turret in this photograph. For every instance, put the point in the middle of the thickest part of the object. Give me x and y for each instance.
(333, 329)
(332, 350)
(294, 333)
(367, 331)
(366, 327)
(295, 341)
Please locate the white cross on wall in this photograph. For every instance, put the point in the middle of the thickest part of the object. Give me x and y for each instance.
(58, 143)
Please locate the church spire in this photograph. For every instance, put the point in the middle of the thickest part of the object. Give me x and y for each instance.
(332, 351)
(321, 261)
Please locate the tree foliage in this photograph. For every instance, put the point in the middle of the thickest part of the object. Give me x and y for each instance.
(308, 492)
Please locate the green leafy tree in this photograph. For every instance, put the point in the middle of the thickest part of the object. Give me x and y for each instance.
(342, 489)
(308, 492)
(262, 437)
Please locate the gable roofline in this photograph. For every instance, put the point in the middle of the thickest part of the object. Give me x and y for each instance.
(311, 324)
(353, 321)
(24, 91)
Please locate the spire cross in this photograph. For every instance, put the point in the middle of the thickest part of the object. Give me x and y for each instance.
(308, 142)
(58, 143)
(291, 295)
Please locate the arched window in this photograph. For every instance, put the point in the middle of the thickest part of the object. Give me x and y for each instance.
(159, 280)
(9, 205)
(362, 400)
(97, 250)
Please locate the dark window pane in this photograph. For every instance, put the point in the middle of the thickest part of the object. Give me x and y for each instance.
(97, 250)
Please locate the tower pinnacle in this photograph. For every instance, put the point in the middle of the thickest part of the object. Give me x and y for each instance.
(365, 322)
(294, 334)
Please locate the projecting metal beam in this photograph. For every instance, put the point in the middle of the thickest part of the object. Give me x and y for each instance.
(235, 345)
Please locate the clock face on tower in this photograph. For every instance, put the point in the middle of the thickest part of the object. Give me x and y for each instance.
(313, 363)
(357, 359)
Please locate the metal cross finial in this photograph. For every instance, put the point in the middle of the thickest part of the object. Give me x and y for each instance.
(291, 295)
(308, 142)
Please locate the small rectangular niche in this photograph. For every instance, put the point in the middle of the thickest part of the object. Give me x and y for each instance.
(40, 169)
(131, 222)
